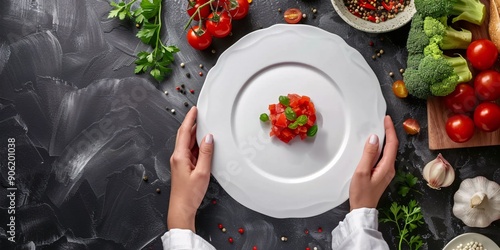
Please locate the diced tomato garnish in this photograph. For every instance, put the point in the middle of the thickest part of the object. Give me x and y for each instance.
(301, 105)
(281, 122)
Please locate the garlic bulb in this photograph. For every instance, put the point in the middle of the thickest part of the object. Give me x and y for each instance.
(477, 202)
(439, 173)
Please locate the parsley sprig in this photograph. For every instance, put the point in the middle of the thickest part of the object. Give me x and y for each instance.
(405, 183)
(148, 17)
(406, 219)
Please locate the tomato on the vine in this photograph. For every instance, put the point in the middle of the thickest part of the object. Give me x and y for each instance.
(241, 10)
(482, 54)
(487, 85)
(219, 24)
(460, 128)
(194, 5)
(199, 38)
(487, 116)
(462, 99)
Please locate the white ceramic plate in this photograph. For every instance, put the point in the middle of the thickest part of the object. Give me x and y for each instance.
(401, 18)
(302, 178)
(468, 237)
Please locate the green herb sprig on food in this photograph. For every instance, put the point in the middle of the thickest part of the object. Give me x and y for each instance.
(148, 17)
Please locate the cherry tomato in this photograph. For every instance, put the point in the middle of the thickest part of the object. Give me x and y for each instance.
(482, 54)
(399, 89)
(219, 24)
(462, 99)
(487, 116)
(194, 5)
(487, 85)
(411, 126)
(241, 9)
(292, 15)
(199, 38)
(460, 128)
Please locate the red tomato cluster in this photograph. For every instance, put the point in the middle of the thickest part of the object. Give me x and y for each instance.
(474, 106)
(286, 128)
(217, 15)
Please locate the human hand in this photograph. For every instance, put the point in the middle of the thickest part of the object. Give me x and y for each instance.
(368, 182)
(190, 168)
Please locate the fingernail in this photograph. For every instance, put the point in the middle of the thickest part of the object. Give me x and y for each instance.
(373, 139)
(209, 139)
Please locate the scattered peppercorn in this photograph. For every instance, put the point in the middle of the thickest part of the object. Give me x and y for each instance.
(381, 51)
(137, 25)
(182, 65)
(284, 238)
(279, 9)
(304, 15)
(241, 230)
(378, 54)
(214, 201)
(201, 66)
(213, 51)
(178, 88)
(230, 240)
(391, 74)
(401, 71)
(224, 230)
(172, 111)
(192, 91)
(145, 178)
(320, 230)
(220, 226)
(165, 92)
(182, 85)
(374, 57)
(188, 75)
(371, 43)
(158, 190)
(314, 10)
(254, 248)
(186, 104)
(200, 73)
(306, 231)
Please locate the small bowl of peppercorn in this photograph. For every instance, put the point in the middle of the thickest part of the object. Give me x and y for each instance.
(375, 16)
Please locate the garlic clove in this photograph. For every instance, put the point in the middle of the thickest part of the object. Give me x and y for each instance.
(477, 199)
(438, 173)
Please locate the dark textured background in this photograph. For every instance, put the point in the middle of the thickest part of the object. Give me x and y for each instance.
(87, 129)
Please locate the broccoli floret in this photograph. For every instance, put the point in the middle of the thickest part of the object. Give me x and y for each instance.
(415, 85)
(472, 11)
(433, 49)
(449, 38)
(444, 73)
(414, 60)
(417, 40)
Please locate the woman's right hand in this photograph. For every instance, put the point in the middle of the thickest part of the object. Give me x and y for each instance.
(369, 181)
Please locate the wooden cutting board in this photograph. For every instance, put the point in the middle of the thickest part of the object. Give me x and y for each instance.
(437, 113)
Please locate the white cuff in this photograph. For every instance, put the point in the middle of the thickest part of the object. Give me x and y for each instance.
(184, 239)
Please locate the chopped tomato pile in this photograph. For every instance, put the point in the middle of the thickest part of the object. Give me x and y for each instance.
(292, 116)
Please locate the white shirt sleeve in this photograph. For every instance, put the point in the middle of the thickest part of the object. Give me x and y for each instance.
(184, 239)
(359, 230)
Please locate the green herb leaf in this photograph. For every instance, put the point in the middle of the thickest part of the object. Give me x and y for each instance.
(264, 117)
(149, 15)
(293, 125)
(290, 114)
(302, 120)
(407, 219)
(284, 100)
(312, 130)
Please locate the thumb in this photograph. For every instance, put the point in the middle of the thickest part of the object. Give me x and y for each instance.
(370, 155)
(204, 163)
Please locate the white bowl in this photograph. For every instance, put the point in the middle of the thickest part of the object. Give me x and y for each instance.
(398, 21)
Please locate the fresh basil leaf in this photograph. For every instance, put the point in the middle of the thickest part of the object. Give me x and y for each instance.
(312, 130)
(293, 125)
(284, 100)
(302, 120)
(290, 114)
